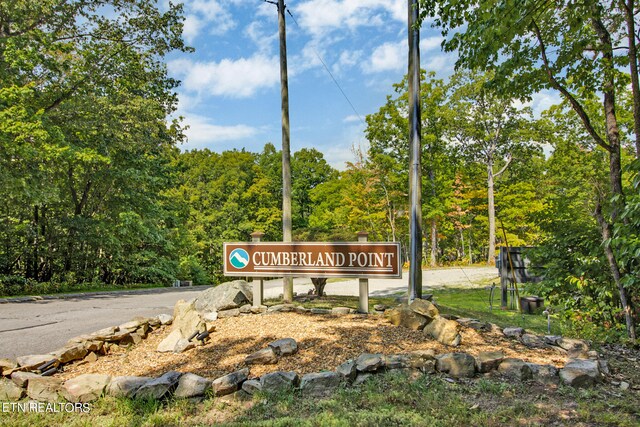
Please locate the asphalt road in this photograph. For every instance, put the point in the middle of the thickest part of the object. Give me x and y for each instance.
(37, 327)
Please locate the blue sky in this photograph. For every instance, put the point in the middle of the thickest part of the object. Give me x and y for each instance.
(230, 92)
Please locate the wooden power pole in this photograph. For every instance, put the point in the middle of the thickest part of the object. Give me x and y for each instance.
(415, 172)
(287, 282)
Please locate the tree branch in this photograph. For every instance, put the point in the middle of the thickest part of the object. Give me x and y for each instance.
(577, 107)
(504, 168)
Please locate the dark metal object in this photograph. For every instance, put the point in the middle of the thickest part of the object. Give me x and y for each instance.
(49, 372)
(193, 335)
(46, 365)
(415, 147)
(203, 336)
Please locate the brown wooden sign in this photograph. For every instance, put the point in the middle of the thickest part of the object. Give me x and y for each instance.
(313, 259)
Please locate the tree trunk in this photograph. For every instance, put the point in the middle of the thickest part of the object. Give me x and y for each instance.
(629, 12)
(433, 258)
(319, 283)
(625, 300)
(491, 214)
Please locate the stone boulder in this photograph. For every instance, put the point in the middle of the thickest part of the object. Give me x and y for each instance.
(444, 331)
(169, 343)
(396, 361)
(85, 388)
(320, 384)
(33, 361)
(266, 356)
(44, 389)
(9, 391)
(533, 341)
(488, 361)
(368, 362)
(457, 365)
(580, 373)
(192, 385)
(424, 360)
(70, 353)
(229, 383)
(251, 386)
(224, 297)
(7, 365)
(402, 315)
(515, 369)
(126, 386)
(160, 387)
(165, 319)
(348, 370)
(544, 374)
(187, 319)
(284, 346)
(424, 308)
(21, 379)
(513, 332)
(278, 381)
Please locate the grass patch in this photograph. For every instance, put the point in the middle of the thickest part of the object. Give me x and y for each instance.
(390, 399)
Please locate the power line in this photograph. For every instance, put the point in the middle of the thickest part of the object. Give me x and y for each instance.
(324, 65)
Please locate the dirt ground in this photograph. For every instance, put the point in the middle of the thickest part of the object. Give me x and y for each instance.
(324, 342)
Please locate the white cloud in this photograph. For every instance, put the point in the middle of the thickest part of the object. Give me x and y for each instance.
(202, 133)
(206, 14)
(323, 16)
(442, 63)
(391, 56)
(239, 78)
(430, 43)
(191, 28)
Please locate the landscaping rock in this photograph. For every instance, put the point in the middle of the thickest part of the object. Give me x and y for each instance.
(396, 361)
(259, 309)
(169, 343)
(320, 311)
(44, 389)
(104, 334)
(533, 341)
(266, 356)
(31, 362)
(245, 309)
(230, 383)
(165, 319)
(320, 384)
(368, 362)
(183, 345)
(70, 353)
(424, 308)
(278, 381)
(513, 332)
(488, 361)
(379, 307)
(21, 379)
(9, 391)
(85, 388)
(402, 315)
(132, 325)
(571, 344)
(457, 365)
(424, 360)
(515, 369)
(126, 386)
(232, 312)
(284, 346)
(444, 331)
(7, 365)
(192, 385)
(251, 386)
(340, 310)
(545, 374)
(552, 339)
(187, 319)
(211, 316)
(580, 373)
(160, 387)
(348, 370)
(362, 378)
(474, 324)
(224, 297)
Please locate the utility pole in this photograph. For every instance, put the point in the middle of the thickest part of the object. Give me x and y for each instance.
(415, 147)
(287, 282)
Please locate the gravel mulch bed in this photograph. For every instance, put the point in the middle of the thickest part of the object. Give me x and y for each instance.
(324, 342)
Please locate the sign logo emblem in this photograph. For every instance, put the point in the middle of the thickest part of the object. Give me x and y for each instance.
(239, 258)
